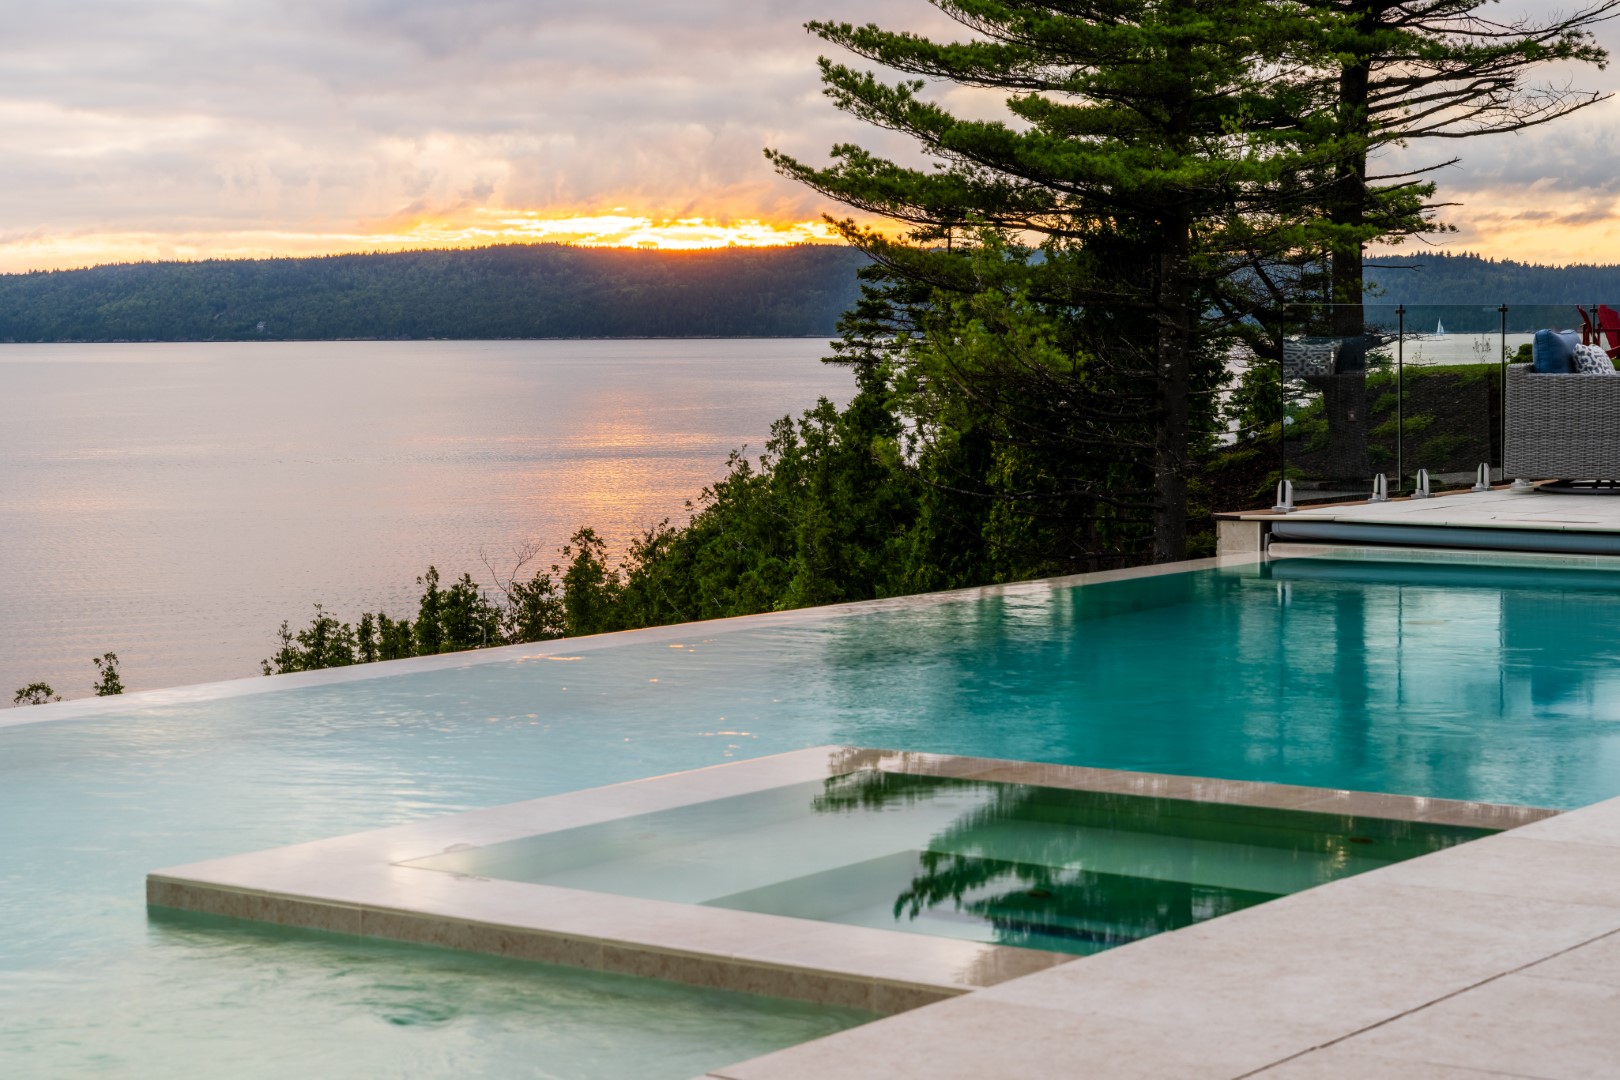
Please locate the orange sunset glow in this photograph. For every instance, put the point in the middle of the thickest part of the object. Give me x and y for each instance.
(1503, 224)
(618, 227)
(1498, 228)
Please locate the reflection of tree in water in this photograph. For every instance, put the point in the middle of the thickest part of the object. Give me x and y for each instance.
(1014, 860)
(865, 788)
(1028, 891)
(1031, 904)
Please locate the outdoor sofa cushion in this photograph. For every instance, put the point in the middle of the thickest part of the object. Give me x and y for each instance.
(1592, 360)
(1554, 351)
(1303, 359)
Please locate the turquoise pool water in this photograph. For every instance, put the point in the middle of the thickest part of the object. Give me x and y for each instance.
(1463, 684)
(1003, 864)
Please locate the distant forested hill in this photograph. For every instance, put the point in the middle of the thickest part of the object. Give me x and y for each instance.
(513, 291)
(1471, 279)
(556, 291)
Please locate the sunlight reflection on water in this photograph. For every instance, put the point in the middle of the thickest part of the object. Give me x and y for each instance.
(174, 503)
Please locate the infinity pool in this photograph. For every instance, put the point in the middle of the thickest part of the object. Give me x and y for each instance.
(1465, 684)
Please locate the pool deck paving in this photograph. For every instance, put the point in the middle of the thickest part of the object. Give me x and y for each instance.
(1502, 507)
(1500, 957)
(1505, 526)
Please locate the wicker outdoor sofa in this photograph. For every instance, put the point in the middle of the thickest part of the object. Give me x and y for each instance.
(1564, 427)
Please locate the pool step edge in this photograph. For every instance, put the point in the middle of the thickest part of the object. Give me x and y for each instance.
(622, 956)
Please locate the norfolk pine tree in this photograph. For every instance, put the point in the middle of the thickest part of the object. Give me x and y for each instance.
(1155, 149)
(1419, 70)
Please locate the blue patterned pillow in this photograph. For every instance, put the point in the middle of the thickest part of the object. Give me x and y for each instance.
(1592, 360)
(1554, 351)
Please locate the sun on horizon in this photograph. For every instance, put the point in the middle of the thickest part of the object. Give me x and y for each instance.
(619, 227)
(1496, 231)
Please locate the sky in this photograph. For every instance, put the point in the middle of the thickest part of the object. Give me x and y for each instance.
(164, 129)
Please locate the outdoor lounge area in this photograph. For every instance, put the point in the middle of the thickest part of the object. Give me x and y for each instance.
(1490, 396)
(1562, 416)
(1548, 447)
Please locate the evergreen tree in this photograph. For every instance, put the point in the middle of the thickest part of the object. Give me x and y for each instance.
(1419, 70)
(1155, 148)
(591, 588)
(467, 620)
(324, 643)
(395, 640)
(429, 627)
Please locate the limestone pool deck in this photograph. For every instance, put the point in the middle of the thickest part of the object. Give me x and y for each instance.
(1550, 528)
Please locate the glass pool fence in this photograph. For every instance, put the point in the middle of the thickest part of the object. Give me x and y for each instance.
(1356, 401)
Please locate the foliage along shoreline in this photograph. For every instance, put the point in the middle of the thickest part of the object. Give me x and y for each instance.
(838, 509)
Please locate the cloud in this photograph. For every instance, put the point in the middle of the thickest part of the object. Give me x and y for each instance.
(1549, 195)
(194, 127)
(190, 116)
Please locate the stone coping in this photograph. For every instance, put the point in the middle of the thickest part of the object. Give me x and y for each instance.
(360, 884)
(565, 647)
(1482, 557)
(1499, 508)
(1266, 513)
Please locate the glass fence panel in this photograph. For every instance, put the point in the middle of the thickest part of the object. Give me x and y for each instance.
(1381, 390)
(1332, 400)
(1334, 397)
(1448, 386)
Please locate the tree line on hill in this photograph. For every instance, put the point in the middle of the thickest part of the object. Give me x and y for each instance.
(1465, 290)
(508, 291)
(555, 291)
(1443, 278)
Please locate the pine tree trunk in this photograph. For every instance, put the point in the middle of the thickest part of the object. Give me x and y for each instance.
(1174, 359)
(1345, 396)
(1348, 205)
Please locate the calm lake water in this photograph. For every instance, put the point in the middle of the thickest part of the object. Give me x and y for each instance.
(174, 503)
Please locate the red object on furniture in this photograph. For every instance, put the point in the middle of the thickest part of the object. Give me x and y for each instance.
(1608, 326)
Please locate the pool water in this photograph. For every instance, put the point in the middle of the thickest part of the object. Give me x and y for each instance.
(1456, 683)
(1007, 864)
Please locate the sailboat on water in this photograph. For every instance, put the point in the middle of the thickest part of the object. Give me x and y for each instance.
(1439, 326)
